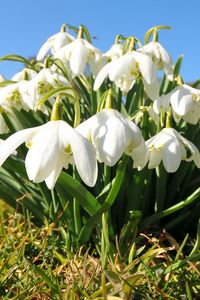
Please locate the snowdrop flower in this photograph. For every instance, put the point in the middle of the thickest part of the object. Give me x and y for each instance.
(54, 44)
(52, 147)
(185, 103)
(15, 95)
(25, 74)
(112, 134)
(78, 54)
(42, 83)
(114, 52)
(170, 147)
(160, 56)
(125, 70)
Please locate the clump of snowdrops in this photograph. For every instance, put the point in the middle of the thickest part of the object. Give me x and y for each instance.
(91, 137)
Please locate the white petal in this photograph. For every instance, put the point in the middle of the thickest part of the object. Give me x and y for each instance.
(101, 76)
(59, 164)
(172, 154)
(85, 128)
(155, 157)
(195, 155)
(140, 156)
(167, 61)
(61, 39)
(110, 140)
(44, 50)
(146, 66)
(78, 57)
(96, 63)
(44, 152)
(181, 101)
(125, 66)
(152, 89)
(114, 52)
(193, 115)
(83, 153)
(14, 141)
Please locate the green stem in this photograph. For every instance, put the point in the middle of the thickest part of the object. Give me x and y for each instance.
(119, 100)
(87, 229)
(160, 188)
(197, 244)
(76, 211)
(107, 173)
(77, 216)
(77, 113)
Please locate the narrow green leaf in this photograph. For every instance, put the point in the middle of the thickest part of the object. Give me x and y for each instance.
(46, 279)
(182, 263)
(77, 190)
(6, 82)
(18, 58)
(172, 209)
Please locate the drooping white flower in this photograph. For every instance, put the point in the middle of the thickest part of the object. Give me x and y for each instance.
(112, 135)
(171, 148)
(125, 70)
(42, 83)
(160, 56)
(25, 74)
(51, 148)
(114, 52)
(185, 103)
(78, 54)
(54, 44)
(15, 95)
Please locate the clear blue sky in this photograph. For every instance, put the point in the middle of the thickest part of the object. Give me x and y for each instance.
(26, 24)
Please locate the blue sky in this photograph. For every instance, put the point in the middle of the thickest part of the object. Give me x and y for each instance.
(26, 24)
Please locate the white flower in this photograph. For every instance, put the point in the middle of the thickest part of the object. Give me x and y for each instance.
(185, 103)
(15, 95)
(54, 44)
(125, 70)
(25, 74)
(42, 83)
(170, 147)
(51, 148)
(112, 134)
(160, 56)
(78, 54)
(114, 52)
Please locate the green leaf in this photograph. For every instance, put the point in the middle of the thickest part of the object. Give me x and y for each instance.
(77, 190)
(6, 82)
(178, 65)
(18, 58)
(172, 209)
(46, 278)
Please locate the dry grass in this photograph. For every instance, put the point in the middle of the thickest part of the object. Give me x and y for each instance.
(35, 264)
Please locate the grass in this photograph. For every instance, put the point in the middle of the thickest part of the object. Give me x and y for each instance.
(35, 263)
